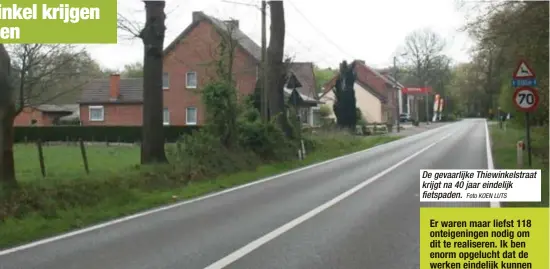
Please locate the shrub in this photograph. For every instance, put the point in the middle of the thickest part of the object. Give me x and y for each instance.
(264, 139)
(448, 117)
(325, 111)
(202, 155)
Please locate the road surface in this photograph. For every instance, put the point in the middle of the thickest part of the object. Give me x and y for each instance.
(359, 211)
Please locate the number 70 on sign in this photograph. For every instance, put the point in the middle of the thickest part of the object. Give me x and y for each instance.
(526, 99)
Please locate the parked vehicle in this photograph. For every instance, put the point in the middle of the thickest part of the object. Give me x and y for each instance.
(404, 117)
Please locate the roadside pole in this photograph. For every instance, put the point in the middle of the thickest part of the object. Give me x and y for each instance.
(427, 104)
(525, 98)
(264, 102)
(528, 137)
(397, 106)
(499, 118)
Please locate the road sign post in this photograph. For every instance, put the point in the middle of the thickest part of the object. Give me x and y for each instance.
(525, 98)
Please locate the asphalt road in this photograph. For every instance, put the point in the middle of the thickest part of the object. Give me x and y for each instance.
(360, 211)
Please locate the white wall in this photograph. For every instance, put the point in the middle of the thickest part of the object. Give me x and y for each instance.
(370, 105)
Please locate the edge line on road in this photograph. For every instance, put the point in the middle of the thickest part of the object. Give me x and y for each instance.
(66, 235)
(490, 162)
(243, 251)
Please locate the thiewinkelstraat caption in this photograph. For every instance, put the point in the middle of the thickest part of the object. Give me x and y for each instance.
(62, 12)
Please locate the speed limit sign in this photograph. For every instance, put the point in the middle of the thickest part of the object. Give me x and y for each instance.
(526, 99)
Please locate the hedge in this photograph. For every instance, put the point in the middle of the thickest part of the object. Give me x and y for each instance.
(127, 134)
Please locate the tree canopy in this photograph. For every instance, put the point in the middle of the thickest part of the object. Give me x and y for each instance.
(504, 33)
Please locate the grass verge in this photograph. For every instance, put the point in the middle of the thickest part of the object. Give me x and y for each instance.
(64, 161)
(16, 230)
(504, 155)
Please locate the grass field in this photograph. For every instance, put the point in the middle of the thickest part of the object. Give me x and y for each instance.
(94, 200)
(64, 161)
(504, 155)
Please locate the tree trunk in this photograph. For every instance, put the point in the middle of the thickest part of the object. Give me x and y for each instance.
(7, 164)
(276, 72)
(152, 146)
(7, 115)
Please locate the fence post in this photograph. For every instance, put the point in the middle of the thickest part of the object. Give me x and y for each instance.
(41, 158)
(519, 153)
(303, 149)
(84, 157)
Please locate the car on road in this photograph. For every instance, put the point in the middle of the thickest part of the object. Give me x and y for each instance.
(404, 117)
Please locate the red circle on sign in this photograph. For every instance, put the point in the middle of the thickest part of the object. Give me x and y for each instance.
(526, 99)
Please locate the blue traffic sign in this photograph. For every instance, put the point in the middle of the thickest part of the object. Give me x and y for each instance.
(529, 82)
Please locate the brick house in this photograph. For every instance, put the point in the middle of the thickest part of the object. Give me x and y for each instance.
(189, 63)
(46, 115)
(376, 95)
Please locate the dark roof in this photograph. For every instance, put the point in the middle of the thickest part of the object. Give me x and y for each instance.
(244, 41)
(305, 75)
(98, 91)
(57, 108)
(370, 79)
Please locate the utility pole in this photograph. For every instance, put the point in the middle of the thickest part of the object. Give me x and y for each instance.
(264, 93)
(398, 92)
(427, 103)
(263, 64)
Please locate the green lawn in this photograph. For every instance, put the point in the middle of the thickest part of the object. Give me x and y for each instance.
(115, 196)
(65, 161)
(504, 155)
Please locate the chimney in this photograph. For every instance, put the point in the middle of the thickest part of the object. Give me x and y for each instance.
(197, 16)
(114, 90)
(234, 24)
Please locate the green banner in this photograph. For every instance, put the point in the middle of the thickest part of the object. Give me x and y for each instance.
(58, 21)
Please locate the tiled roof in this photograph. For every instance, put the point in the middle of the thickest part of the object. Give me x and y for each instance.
(58, 108)
(304, 73)
(97, 91)
(244, 41)
(368, 77)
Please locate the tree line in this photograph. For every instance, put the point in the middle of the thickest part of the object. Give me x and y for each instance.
(504, 33)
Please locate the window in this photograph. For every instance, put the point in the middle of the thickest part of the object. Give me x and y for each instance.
(97, 113)
(191, 115)
(304, 115)
(191, 80)
(165, 81)
(166, 116)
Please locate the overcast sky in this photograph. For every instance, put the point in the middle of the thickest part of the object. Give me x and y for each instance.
(324, 32)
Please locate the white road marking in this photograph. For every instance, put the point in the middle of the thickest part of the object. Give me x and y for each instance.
(490, 163)
(168, 207)
(239, 253)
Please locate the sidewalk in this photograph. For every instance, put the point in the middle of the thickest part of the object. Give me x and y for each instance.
(412, 130)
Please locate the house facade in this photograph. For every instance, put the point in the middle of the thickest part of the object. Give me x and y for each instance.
(47, 115)
(376, 95)
(190, 61)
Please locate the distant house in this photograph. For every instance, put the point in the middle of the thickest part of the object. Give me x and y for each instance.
(189, 63)
(113, 101)
(47, 115)
(376, 95)
(304, 74)
(406, 102)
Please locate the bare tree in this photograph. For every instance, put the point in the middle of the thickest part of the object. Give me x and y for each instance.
(40, 74)
(44, 73)
(276, 71)
(152, 35)
(423, 48)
